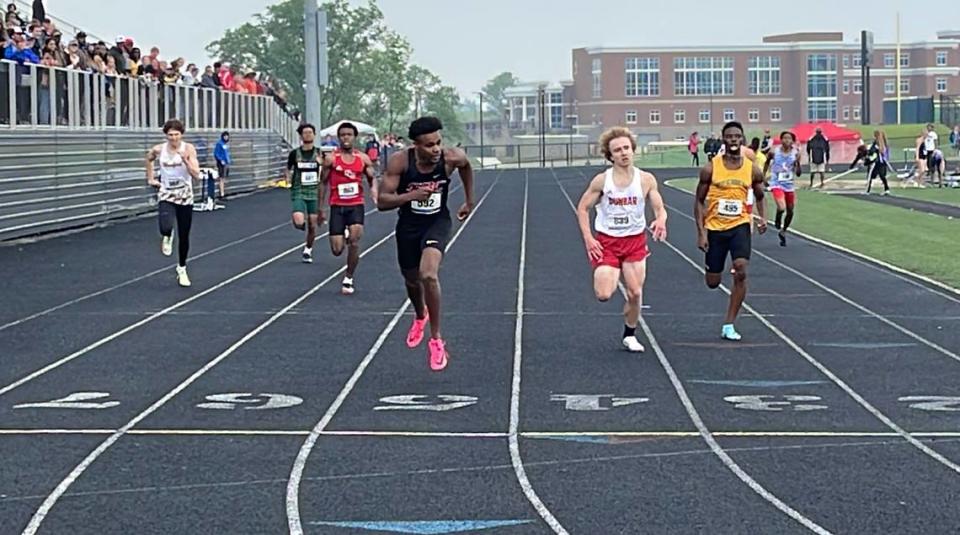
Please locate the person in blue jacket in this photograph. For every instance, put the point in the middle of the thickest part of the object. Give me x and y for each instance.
(222, 154)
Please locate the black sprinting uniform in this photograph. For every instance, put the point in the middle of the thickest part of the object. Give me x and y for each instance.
(426, 223)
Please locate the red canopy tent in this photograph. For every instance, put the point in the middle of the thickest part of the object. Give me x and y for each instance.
(843, 141)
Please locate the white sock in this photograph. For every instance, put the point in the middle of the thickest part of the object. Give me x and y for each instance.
(308, 250)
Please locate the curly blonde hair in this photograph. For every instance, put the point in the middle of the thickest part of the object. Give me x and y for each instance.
(613, 133)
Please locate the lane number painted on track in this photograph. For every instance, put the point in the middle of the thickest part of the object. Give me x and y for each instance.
(594, 402)
(764, 402)
(76, 400)
(250, 402)
(421, 402)
(933, 403)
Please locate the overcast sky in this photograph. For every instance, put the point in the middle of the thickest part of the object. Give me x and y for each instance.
(467, 42)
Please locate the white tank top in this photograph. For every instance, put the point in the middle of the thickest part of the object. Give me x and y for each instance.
(621, 212)
(173, 169)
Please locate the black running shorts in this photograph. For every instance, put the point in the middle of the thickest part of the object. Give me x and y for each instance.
(720, 243)
(342, 217)
(414, 237)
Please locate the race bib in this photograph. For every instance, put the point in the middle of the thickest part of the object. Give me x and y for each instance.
(785, 177)
(730, 208)
(430, 205)
(172, 182)
(618, 221)
(351, 189)
(308, 178)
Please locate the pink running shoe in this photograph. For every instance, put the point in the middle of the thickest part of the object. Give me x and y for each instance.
(415, 335)
(438, 354)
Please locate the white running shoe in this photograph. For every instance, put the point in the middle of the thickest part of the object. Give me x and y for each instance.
(633, 345)
(346, 288)
(307, 256)
(166, 245)
(182, 277)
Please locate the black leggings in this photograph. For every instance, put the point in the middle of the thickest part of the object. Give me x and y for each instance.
(183, 214)
(878, 170)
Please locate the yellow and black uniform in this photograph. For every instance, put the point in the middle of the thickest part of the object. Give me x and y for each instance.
(727, 220)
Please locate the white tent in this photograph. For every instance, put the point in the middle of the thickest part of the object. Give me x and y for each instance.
(364, 129)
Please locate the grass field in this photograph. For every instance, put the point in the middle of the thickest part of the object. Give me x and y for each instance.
(915, 241)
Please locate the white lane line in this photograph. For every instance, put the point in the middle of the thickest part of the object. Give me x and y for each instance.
(915, 279)
(137, 279)
(832, 376)
(513, 434)
(296, 473)
(107, 339)
(52, 499)
(705, 432)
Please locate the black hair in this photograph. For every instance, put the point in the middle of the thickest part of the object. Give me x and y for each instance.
(304, 126)
(174, 124)
(755, 143)
(731, 124)
(224, 134)
(345, 124)
(788, 133)
(424, 125)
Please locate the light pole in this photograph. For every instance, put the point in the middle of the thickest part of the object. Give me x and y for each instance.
(480, 93)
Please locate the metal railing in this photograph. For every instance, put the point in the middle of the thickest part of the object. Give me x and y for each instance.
(36, 96)
(76, 178)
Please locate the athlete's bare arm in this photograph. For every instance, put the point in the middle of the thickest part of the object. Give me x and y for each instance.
(588, 200)
(659, 226)
(152, 155)
(699, 205)
(371, 177)
(461, 163)
(766, 165)
(389, 198)
(758, 185)
(191, 160)
(326, 163)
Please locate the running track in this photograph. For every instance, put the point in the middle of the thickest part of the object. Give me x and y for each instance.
(262, 401)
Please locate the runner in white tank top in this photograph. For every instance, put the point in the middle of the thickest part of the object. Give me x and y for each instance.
(179, 167)
(620, 195)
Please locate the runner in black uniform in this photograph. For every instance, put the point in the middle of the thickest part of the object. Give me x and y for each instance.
(417, 181)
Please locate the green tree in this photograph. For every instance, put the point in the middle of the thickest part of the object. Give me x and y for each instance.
(365, 58)
(431, 97)
(494, 89)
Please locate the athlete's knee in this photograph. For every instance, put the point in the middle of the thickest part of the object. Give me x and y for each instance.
(354, 240)
(603, 294)
(712, 280)
(633, 295)
(429, 278)
(300, 225)
(336, 249)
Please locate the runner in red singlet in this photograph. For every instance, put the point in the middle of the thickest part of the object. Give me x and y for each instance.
(343, 170)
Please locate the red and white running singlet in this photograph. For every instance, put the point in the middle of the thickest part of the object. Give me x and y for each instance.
(346, 180)
(621, 212)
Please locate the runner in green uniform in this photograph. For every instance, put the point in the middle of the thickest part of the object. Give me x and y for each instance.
(303, 173)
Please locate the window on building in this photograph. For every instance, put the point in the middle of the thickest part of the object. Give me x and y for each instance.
(941, 58)
(776, 114)
(856, 113)
(679, 116)
(846, 113)
(703, 76)
(822, 110)
(597, 72)
(941, 85)
(846, 61)
(888, 61)
(846, 87)
(642, 77)
(764, 75)
(654, 116)
(631, 117)
(704, 116)
(904, 85)
(857, 87)
(889, 86)
(753, 115)
(729, 114)
(904, 59)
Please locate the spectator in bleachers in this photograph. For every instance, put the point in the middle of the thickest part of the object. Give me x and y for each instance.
(190, 76)
(208, 80)
(226, 77)
(18, 51)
